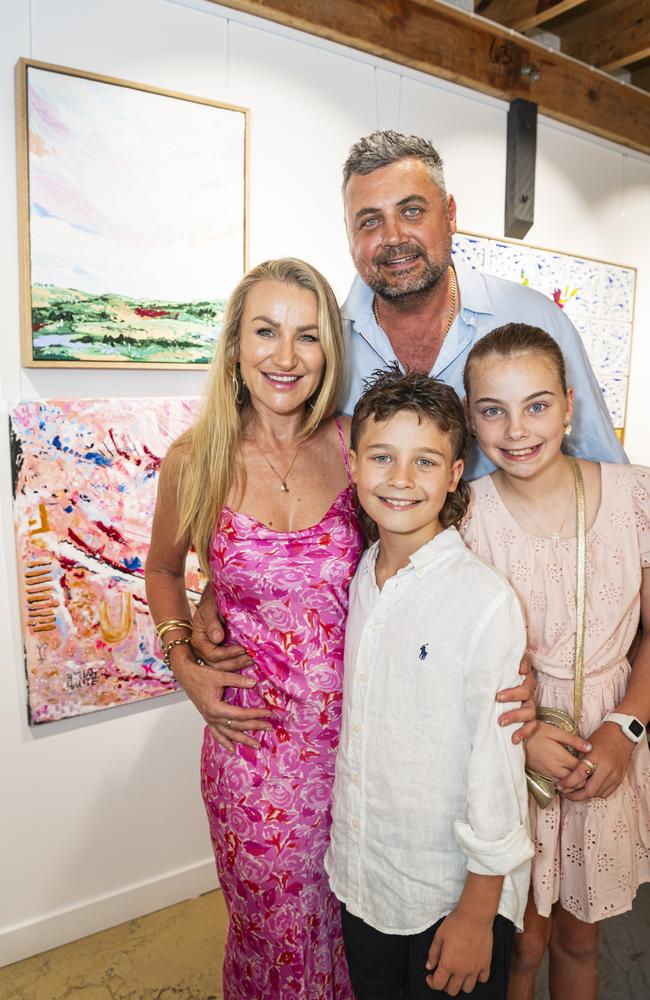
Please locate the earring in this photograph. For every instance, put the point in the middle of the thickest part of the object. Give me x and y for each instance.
(567, 429)
(237, 385)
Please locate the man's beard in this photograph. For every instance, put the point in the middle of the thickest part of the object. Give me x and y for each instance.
(408, 286)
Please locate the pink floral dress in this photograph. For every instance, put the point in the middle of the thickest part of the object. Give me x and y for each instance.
(284, 596)
(590, 855)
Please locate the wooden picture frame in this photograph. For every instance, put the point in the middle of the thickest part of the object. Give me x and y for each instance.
(133, 220)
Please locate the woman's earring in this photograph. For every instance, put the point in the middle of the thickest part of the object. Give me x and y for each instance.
(237, 384)
(567, 429)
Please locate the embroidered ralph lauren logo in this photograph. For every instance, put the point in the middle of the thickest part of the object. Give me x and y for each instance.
(424, 652)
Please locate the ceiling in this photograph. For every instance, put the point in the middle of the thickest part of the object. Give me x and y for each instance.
(613, 35)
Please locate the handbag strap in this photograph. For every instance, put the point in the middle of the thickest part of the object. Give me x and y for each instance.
(581, 590)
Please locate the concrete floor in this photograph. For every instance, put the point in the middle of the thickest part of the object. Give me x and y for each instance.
(176, 954)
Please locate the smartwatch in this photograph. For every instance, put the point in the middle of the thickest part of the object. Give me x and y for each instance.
(631, 726)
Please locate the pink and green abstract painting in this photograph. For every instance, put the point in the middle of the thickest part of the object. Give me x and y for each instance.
(85, 474)
(136, 221)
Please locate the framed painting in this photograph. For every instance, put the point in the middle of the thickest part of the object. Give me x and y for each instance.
(132, 220)
(84, 477)
(597, 296)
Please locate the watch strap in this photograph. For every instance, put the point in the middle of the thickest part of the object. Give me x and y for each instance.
(631, 726)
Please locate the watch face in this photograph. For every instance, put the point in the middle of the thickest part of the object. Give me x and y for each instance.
(636, 728)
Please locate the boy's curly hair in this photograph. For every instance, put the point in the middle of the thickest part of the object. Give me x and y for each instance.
(389, 391)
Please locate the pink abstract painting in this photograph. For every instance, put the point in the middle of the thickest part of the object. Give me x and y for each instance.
(85, 474)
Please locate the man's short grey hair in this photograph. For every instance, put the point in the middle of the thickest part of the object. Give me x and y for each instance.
(380, 149)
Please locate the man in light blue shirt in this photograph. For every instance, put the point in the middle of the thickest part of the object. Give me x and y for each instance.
(409, 304)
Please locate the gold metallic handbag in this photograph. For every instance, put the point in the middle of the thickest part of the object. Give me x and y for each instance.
(542, 787)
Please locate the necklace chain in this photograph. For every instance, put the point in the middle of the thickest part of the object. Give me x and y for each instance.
(555, 536)
(283, 479)
(452, 305)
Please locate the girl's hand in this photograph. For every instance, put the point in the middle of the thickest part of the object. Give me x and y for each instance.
(524, 693)
(610, 753)
(546, 752)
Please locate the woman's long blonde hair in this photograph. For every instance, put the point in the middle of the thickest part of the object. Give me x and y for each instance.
(212, 467)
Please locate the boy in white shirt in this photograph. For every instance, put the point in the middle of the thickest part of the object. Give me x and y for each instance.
(430, 847)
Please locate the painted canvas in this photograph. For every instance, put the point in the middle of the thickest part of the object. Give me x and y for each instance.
(598, 298)
(132, 220)
(85, 474)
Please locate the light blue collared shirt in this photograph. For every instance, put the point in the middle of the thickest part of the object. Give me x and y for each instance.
(486, 303)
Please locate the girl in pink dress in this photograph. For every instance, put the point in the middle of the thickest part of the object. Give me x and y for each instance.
(260, 487)
(593, 840)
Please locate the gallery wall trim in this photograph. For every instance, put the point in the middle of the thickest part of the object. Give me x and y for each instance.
(97, 914)
(133, 211)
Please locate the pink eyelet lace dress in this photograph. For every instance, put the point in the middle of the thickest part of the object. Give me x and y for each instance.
(590, 855)
(284, 596)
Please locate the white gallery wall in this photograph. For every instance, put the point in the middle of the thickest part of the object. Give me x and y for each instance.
(101, 816)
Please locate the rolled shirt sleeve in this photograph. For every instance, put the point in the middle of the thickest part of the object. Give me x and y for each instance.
(495, 837)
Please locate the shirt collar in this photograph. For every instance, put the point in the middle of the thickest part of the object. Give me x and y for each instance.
(474, 296)
(439, 548)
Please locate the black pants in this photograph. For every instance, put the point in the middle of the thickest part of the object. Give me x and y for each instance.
(392, 966)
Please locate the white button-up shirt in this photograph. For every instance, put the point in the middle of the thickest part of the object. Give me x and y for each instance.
(428, 785)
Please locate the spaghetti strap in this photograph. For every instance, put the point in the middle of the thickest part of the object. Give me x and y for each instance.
(344, 449)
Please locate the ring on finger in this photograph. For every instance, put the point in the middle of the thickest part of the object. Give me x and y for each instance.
(228, 723)
(591, 767)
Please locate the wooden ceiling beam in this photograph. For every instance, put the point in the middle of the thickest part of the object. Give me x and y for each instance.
(613, 34)
(523, 14)
(446, 42)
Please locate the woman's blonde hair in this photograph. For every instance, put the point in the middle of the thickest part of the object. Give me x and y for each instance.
(212, 468)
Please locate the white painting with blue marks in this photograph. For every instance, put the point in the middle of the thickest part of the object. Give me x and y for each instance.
(597, 297)
(84, 477)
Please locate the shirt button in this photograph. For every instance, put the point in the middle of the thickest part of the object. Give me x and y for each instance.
(363, 678)
(355, 778)
(356, 727)
(355, 824)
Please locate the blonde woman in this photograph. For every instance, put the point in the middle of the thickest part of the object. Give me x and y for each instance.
(260, 487)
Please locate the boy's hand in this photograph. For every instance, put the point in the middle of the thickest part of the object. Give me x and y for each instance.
(526, 712)
(460, 953)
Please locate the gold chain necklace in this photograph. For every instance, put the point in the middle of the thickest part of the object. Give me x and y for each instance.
(283, 479)
(452, 305)
(555, 536)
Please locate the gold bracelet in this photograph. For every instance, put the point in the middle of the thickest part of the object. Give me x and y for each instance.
(173, 628)
(185, 641)
(171, 623)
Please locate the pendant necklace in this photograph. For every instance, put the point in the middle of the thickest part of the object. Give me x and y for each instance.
(452, 305)
(283, 479)
(555, 536)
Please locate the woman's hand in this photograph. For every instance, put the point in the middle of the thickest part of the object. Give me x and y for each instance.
(524, 693)
(546, 752)
(205, 687)
(610, 757)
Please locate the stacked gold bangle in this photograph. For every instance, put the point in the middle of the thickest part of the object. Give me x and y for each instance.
(172, 625)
